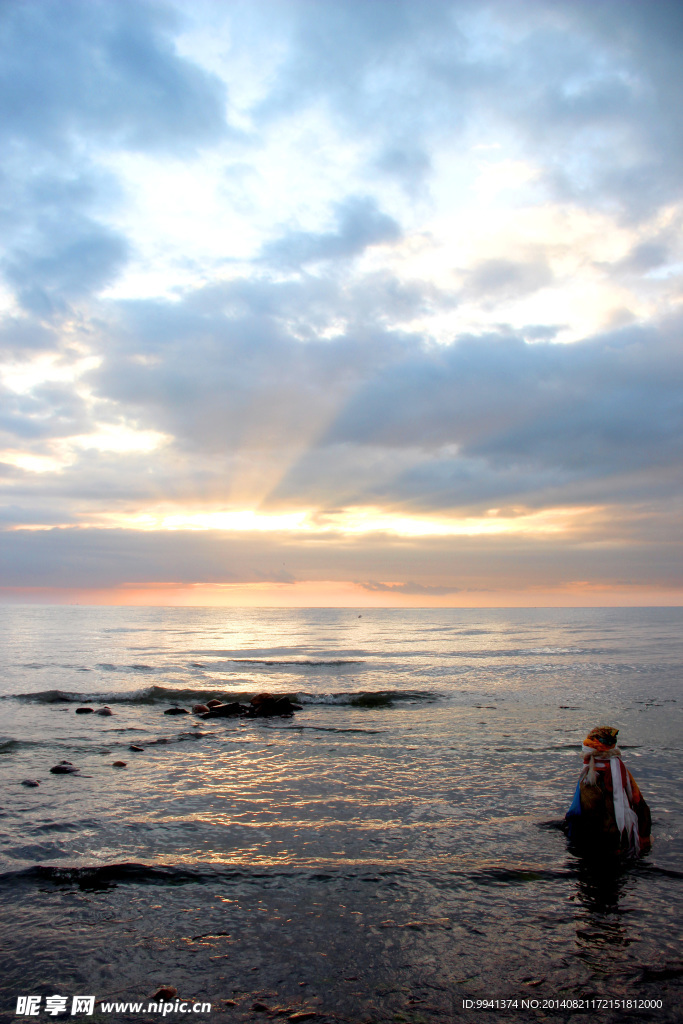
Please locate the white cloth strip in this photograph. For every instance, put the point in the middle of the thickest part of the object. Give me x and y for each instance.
(627, 819)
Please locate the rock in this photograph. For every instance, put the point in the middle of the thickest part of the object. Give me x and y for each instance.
(285, 706)
(64, 768)
(85, 711)
(119, 764)
(270, 706)
(260, 1008)
(225, 711)
(228, 1002)
(176, 711)
(261, 698)
(213, 703)
(199, 708)
(165, 992)
(302, 1015)
(134, 746)
(104, 711)
(32, 783)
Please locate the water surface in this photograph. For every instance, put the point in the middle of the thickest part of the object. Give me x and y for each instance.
(384, 855)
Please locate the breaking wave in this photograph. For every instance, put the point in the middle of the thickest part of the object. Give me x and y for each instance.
(171, 695)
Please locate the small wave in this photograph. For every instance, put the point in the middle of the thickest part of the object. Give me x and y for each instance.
(169, 695)
(297, 662)
(371, 698)
(106, 666)
(8, 745)
(326, 728)
(147, 695)
(107, 876)
(519, 875)
(103, 876)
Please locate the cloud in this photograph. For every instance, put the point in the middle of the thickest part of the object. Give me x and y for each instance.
(609, 403)
(106, 72)
(360, 223)
(343, 324)
(590, 89)
(111, 558)
(68, 260)
(408, 588)
(504, 278)
(372, 414)
(46, 412)
(25, 336)
(77, 80)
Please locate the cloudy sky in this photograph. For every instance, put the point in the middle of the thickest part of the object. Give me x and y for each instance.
(364, 302)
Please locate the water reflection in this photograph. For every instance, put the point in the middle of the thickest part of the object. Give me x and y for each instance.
(602, 932)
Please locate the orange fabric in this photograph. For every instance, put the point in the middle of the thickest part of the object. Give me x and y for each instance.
(601, 739)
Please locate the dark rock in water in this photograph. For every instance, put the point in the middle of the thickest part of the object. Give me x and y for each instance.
(270, 706)
(31, 783)
(65, 768)
(85, 711)
(261, 698)
(119, 764)
(134, 746)
(199, 709)
(104, 711)
(176, 711)
(226, 710)
(303, 1014)
(213, 703)
(165, 992)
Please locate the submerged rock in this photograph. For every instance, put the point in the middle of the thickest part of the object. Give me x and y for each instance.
(165, 992)
(32, 783)
(85, 711)
(119, 764)
(104, 711)
(198, 709)
(213, 703)
(176, 711)
(64, 768)
(134, 746)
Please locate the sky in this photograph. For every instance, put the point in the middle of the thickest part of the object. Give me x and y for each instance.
(341, 302)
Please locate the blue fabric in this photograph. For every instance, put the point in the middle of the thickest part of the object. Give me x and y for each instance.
(574, 811)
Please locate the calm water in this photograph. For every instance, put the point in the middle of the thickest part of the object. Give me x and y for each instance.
(384, 855)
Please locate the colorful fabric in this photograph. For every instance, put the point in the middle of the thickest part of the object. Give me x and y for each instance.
(601, 739)
(608, 811)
